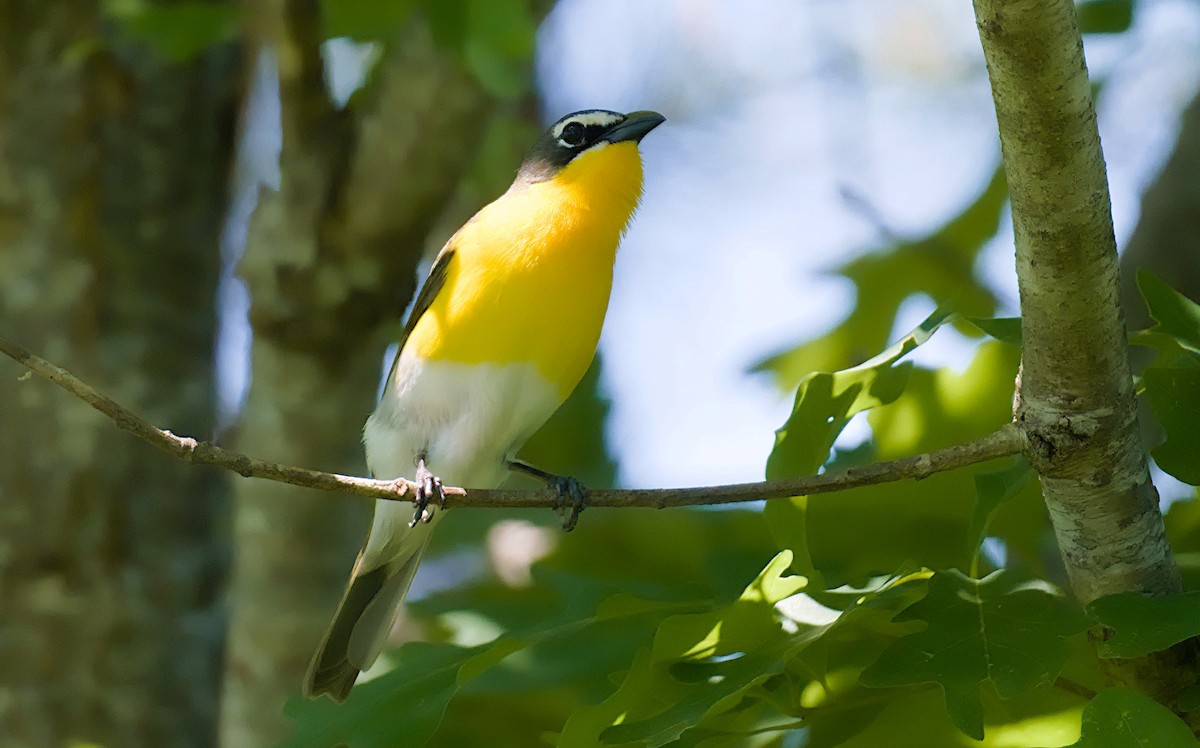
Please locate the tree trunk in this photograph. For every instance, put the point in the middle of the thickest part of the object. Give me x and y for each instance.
(330, 260)
(1075, 394)
(113, 173)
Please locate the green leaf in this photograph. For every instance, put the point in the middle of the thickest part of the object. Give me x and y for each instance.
(1189, 699)
(700, 664)
(1175, 315)
(1002, 628)
(1174, 394)
(856, 638)
(364, 20)
(402, 707)
(939, 265)
(733, 629)
(919, 720)
(580, 614)
(499, 45)
(850, 536)
(180, 30)
(1142, 624)
(992, 490)
(838, 716)
(1105, 16)
(447, 21)
(1168, 351)
(537, 688)
(1182, 522)
(715, 678)
(824, 404)
(1004, 329)
(578, 628)
(1119, 718)
(494, 37)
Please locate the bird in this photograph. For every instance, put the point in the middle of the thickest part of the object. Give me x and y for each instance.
(502, 330)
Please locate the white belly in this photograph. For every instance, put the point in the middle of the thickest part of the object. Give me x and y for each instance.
(466, 418)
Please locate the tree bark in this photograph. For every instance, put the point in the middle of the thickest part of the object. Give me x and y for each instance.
(1075, 393)
(330, 260)
(113, 173)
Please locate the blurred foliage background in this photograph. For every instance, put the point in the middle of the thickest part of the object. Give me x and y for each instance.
(216, 212)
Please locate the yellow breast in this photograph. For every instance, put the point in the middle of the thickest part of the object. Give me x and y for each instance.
(532, 272)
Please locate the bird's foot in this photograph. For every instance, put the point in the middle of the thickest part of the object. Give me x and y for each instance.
(567, 487)
(564, 487)
(429, 489)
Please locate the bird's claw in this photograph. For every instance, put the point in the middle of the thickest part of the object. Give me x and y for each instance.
(429, 488)
(565, 486)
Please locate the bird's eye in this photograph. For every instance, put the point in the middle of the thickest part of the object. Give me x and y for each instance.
(572, 134)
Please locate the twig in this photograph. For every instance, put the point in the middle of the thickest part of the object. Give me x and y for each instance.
(1006, 440)
(1077, 689)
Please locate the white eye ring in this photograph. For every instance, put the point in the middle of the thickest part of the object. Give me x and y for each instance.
(572, 135)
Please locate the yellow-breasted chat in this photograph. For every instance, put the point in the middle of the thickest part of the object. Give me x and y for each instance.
(502, 330)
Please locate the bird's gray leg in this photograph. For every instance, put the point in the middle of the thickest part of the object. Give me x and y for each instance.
(564, 486)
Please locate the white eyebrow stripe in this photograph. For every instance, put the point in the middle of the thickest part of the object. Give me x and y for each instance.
(587, 119)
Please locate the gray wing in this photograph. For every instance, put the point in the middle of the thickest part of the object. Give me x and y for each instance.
(429, 290)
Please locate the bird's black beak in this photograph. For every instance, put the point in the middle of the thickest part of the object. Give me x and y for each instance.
(634, 127)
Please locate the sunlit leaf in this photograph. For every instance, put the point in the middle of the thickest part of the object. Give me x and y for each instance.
(824, 404)
(1120, 718)
(734, 629)
(1004, 629)
(579, 622)
(589, 590)
(850, 536)
(851, 642)
(919, 720)
(1142, 624)
(562, 669)
(700, 664)
(744, 667)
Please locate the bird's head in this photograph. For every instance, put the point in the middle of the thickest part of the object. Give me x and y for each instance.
(594, 143)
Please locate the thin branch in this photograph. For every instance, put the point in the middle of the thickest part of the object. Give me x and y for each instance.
(1005, 441)
(1074, 688)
